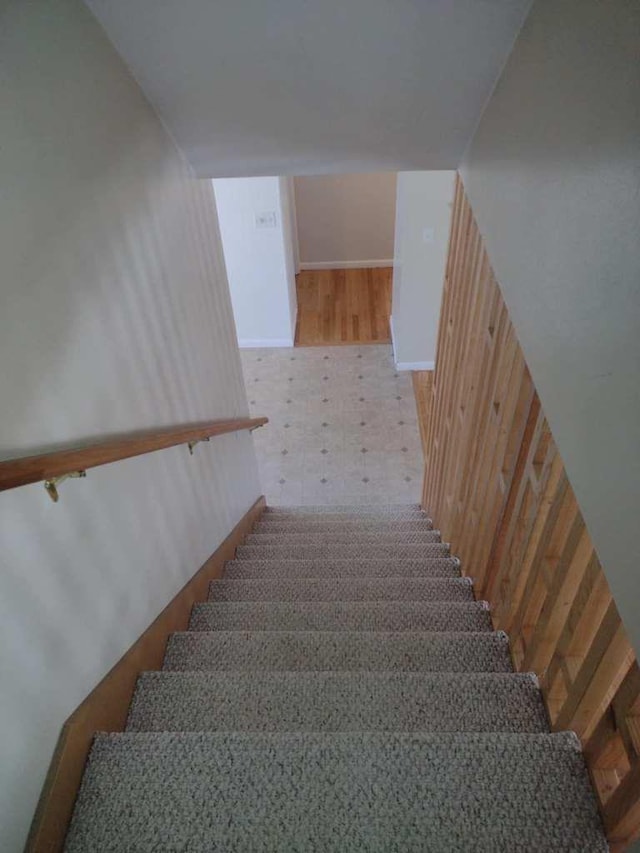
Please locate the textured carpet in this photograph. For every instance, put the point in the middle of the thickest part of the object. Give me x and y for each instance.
(340, 650)
(336, 701)
(395, 551)
(390, 512)
(276, 524)
(445, 793)
(340, 691)
(342, 589)
(444, 567)
(293, 539)
(340, 616)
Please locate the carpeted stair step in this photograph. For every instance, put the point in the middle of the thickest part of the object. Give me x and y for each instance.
(286, 539)
(316, 524)
(328, 550)
(444, 567)
(340, 616)
(336, 701)
(433, 793)
(377, 510)
(332, 513)
(342, 589)
(407, 651)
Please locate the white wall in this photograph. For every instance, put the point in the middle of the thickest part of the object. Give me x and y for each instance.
(114, 315)
(423, 217)
(553, 175)
(346, 220)
(284, 87)
(260, 263)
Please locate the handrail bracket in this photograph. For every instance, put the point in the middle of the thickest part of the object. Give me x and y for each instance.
(52, 485)
(192, 444)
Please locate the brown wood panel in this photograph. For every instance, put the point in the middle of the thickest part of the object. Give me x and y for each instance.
(422, 381)
(343, 307)
(105, 708)
(496, 487)
(33, 469)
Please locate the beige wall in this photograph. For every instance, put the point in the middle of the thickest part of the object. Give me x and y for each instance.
(114, 315)
(345, 220)
(553, 175)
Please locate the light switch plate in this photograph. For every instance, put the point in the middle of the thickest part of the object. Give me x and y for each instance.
(266, 219)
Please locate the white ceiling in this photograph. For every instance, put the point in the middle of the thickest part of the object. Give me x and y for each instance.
(250, 87)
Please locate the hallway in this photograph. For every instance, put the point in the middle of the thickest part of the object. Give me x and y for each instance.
(343, 306)
(343, 425)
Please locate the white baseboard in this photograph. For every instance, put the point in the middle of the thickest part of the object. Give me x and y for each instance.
(408, 365)
(261, 343)
(346, 265)
(415, 365)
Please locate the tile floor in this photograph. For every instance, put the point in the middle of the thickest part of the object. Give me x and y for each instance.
(343, 425)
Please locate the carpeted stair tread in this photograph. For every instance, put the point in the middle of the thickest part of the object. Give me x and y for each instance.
(336, 701)
(445, 567)
(342, 589)
(340, 616)
(386, 538)
(344, 516)
(358, 511)
(275, 524)
(397, 551)
(406, 651)
(346, 792)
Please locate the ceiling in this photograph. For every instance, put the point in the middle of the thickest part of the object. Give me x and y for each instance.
(257, 87)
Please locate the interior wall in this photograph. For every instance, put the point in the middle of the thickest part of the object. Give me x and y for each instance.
(283, 87)
(553, 176)
(423, 216)
(114, 316)
(346, 220)
(259, 259)
(290, 241)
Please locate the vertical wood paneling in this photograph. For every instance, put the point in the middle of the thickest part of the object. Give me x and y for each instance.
(496, 486)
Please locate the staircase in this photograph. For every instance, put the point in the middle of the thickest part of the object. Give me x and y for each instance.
(341, 690)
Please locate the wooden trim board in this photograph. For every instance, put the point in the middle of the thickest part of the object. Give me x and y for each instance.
(422, 381)
(106, 707)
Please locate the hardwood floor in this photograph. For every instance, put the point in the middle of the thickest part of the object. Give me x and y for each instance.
(343, 307)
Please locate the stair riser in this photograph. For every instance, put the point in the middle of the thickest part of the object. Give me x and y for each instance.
(318, 525)
(247, 569)
(356, 518)
(396, 552)
(374, 510)
(321, 701)
(339, 616)
(343, 589)
(340, 538)
(339, 651)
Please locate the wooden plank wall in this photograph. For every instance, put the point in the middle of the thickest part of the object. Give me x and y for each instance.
(496, 487)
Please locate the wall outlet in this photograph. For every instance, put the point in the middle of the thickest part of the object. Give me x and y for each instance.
(266, 219)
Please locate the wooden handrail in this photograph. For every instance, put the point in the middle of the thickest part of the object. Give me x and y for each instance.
(47, 466)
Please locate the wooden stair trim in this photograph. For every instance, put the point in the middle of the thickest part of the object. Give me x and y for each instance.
(496, 486)
(106, 707)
